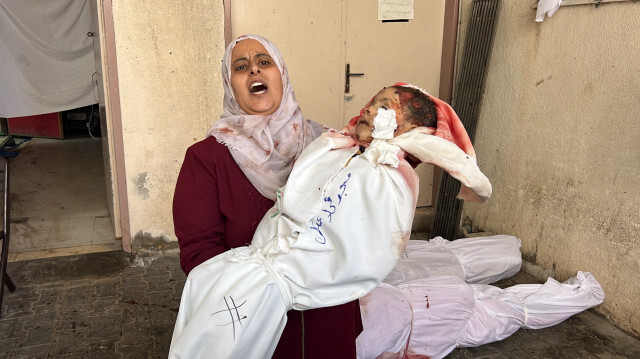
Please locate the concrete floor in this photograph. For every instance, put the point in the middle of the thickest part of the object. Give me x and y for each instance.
(58, 199)
(111, 305)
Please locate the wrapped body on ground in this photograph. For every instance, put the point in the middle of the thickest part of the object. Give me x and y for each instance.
(435, 299)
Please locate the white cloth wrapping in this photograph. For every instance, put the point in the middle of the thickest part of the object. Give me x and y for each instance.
(448, 156)
(46, 57)
(425, 316)
(432, 316)
(474, 260)
(338, 228)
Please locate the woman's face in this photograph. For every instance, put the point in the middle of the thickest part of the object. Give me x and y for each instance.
(389, 100)
(255, 78)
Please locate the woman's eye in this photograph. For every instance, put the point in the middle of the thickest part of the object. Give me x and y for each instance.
(241, 67)
(264, 62)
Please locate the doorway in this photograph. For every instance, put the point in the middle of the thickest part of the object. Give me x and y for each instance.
(62, 190)
(318, 39)
(58, 192)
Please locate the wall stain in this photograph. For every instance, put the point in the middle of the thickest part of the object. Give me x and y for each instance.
(141, 182)
(146, 241)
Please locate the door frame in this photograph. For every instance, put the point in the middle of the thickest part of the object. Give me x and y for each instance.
(447, 72)
(114, 120)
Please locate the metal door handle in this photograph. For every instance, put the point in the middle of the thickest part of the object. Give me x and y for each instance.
(348, 74)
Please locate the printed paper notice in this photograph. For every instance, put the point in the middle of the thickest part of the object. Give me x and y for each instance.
(395, 9)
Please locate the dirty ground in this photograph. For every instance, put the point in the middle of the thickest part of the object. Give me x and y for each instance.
(112, 305)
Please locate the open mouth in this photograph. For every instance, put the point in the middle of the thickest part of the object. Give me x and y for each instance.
(258, 88)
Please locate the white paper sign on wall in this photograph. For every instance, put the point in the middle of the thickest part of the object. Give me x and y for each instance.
(395, 9)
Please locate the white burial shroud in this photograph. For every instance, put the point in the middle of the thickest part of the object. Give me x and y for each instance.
(474, 260)
(425, 307)
(338, 227)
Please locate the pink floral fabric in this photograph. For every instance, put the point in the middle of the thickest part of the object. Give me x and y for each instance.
(265, 147)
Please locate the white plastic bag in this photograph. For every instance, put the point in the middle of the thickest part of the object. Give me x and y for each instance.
(547, 7)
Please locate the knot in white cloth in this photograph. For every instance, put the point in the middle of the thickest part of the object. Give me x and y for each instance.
(439, 241)
(279, 244)
(382, 153)
(250, 253)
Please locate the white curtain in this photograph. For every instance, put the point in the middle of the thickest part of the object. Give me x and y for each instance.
(46, 56)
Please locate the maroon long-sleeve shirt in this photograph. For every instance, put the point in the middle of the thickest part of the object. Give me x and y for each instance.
(216, 208)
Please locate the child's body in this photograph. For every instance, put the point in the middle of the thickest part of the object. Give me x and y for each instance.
(338, 227)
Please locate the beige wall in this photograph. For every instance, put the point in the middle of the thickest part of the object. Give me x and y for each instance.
(169, 57)
(558, 133)
(559, 137)
(310, 45)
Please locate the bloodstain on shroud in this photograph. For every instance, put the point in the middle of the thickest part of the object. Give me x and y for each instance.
(225, 130)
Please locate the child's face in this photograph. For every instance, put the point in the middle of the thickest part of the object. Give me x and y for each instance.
(390, 100)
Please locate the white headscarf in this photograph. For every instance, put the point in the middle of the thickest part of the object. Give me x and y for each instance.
(265, 147)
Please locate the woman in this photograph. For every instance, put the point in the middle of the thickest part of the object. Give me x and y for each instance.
(228, 182)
